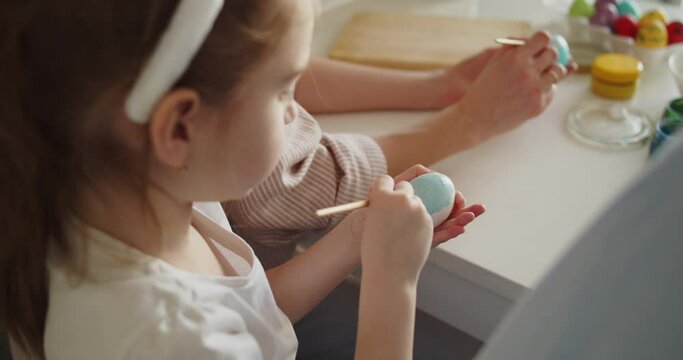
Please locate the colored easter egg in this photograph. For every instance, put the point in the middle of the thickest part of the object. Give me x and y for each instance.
(581, 8)
(599, 3)
(562, 47)
(658, 14)
(437, 193)
(604, 15)
(626, 25)
(675, 30)
(629, 7)
(652, 34)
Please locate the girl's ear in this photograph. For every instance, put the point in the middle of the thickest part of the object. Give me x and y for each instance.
(172, 125)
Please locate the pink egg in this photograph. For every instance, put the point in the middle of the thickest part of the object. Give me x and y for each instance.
(599, 3)
(605, 15)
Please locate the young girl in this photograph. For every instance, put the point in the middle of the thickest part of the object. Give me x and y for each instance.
(117, 117)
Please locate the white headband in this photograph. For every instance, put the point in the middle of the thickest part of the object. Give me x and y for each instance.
(191, 23)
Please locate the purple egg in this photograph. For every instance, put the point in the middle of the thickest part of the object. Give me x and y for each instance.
(604, 15)
(600, 3)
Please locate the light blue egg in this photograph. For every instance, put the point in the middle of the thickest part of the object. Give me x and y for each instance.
(562, 47)
(629, 7)
(437, 193)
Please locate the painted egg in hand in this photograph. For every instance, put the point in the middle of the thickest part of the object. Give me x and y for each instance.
(562, 47)
(437, 193)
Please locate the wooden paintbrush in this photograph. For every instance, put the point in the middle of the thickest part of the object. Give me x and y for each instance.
(507, 41)
(341, 208)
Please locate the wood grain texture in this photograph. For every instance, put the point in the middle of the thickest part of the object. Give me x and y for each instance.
(416, 42)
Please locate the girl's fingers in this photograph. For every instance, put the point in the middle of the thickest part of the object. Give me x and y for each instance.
(464, 219)
(412, 173)
(459, 203)
(444, 235)
(405, 187)
(476, 209)
(455, 226)
(461, 220)
(384, 183)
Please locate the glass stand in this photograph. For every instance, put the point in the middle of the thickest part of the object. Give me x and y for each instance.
(609, 125)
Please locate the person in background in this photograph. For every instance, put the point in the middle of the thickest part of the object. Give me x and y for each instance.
(485, 95)
(319, 170)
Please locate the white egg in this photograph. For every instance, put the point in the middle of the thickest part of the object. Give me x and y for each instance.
(437, 193)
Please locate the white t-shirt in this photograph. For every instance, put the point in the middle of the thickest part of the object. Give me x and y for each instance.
(134, 306)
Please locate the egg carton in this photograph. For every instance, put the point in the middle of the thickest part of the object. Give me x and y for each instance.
(587, 41)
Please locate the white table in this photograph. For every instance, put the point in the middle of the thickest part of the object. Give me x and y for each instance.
(540, 186)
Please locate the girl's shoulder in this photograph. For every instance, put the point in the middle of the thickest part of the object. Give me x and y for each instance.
(157, 313)
(129, 304)
(128, 318)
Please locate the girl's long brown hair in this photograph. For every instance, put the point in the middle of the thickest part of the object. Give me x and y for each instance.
(58, 59)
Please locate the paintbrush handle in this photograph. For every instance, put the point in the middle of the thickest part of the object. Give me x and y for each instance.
(341, 208)
(507, 41)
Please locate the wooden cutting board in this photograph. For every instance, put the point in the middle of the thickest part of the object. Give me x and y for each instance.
(406, 41)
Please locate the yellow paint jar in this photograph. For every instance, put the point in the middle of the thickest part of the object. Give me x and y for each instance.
(615, 76)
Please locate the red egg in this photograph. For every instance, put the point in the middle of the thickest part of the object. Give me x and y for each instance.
(675, 29)
(626, 25)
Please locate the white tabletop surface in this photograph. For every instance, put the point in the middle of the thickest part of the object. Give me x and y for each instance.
(540, 186)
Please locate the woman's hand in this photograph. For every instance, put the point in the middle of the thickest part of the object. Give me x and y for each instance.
(451, 84)
(517, 84)
(502, 89)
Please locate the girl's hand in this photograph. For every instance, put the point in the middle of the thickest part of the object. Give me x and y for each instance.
(460, 216)
(397, 232)
(517, 84)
